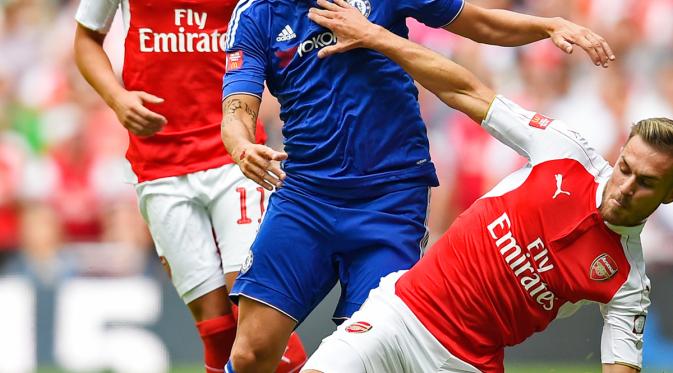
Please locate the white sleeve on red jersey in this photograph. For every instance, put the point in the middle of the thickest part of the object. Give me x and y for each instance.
(539, 138)
(624, 316)
(97, 15)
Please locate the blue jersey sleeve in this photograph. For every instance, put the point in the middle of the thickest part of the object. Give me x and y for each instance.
(433, 13)
(245, 51)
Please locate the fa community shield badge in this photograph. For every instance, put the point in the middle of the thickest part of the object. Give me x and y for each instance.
(247, 263)
(603, 268)
(359, 327)
(364, 6)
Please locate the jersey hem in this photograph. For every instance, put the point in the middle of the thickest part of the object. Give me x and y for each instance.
(363, 187)
(155, 174)
(636, 367)
(265, 295)
(101, 30)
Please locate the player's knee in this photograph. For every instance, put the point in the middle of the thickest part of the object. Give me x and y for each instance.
(242, 360)
(311, 371)
(253, 352)
(245, 360)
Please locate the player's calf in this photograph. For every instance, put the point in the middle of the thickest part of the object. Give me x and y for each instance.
(216, 324)
(218, 336)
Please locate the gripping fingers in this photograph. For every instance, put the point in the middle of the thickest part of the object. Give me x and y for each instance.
(150, 115)
(135, 128)
(343, 4)
(274, 168)
(272, 180)
(320, 13)
(328, 5)
(328, 51)
(136, 125)
(314, 16)
(259, 176)
(147, 127)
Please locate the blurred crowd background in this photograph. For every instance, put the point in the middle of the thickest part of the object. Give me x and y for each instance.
(65, 212)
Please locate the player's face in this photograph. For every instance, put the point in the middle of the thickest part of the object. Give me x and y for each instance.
(641, 181)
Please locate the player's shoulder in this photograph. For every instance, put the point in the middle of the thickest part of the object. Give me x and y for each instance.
(247, 7)
(251, 16)
(255, 8)
(544, 138)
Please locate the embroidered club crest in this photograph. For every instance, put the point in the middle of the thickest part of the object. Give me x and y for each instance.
(247, 263)
(359, 327)
(603, 268)
(364, 6)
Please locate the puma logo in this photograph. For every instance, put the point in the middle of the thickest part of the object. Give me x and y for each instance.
(559, 181)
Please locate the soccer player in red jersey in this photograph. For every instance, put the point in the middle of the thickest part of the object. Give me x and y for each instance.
(202, 212)
(560, 232)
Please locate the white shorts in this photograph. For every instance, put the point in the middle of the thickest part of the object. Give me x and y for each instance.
(384, 336)
(202, 224)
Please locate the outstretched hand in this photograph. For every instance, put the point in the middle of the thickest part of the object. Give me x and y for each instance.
(351, 28)
(565, 34)
(261, 164)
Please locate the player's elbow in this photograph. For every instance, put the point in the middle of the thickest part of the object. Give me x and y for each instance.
(472, 100)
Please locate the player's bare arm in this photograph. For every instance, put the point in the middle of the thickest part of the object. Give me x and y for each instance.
(502, 27)
(95, 66)
(619, 368)
(257, 162)
(453, 84)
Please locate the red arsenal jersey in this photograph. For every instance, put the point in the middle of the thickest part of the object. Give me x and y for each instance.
(531, 250)
(174, 49)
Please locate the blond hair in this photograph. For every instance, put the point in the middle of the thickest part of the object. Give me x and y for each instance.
(657, 132)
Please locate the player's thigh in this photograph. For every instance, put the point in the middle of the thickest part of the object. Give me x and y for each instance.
(384, 336)
(182, 233)
(236, 213)
(368, 342)
(335, 356)
(392, 234)
(290, 263)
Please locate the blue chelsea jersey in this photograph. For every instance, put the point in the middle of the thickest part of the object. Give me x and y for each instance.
(352, 124)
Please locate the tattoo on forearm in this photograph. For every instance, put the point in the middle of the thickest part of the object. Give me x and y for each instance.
(233, 105)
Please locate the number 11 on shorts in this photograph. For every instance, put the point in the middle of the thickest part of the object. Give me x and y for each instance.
(244, 208)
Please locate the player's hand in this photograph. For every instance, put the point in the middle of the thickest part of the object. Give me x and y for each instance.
(351, 28)
(261, 164)
(565, 34)
(134, 116)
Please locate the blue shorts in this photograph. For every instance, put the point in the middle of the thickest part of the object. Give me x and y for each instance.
(306, 243)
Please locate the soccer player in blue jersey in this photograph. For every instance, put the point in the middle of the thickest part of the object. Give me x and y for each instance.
(356, 169)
